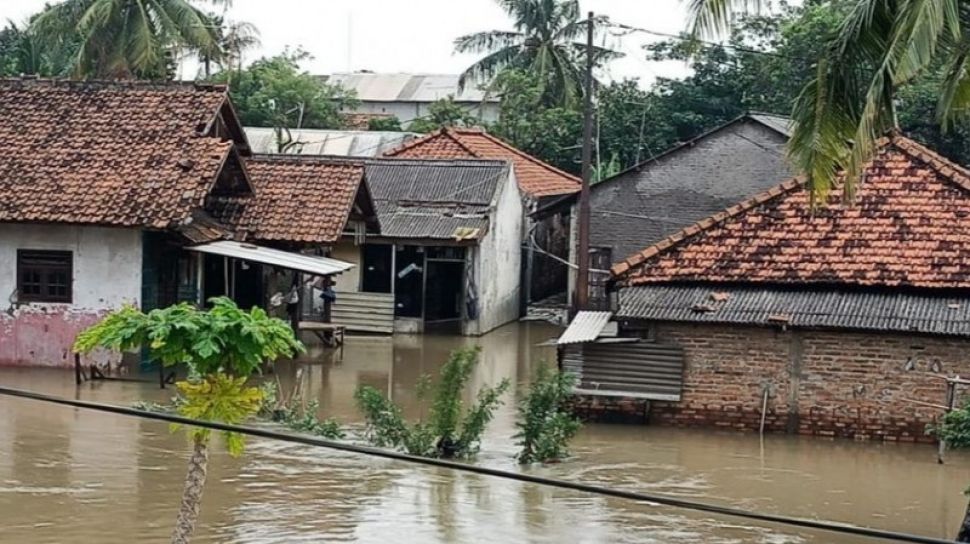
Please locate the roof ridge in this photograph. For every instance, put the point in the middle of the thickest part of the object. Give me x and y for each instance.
(946, 168)
(424, 139)
(115, 83)
(523, 154)
(686, 144)
(309, 159)
(783, 188)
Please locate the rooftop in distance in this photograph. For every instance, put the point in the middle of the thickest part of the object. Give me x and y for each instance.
(403, 87)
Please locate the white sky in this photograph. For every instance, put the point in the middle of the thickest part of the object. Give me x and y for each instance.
(414, 35)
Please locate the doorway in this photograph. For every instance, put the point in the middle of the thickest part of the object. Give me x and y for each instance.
(443, 295)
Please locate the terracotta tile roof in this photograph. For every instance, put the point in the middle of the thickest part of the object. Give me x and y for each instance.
(535, 177)
(299, 199)
(124, 154)
(909, 225)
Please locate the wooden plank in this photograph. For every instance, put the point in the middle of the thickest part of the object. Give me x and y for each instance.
(364, 312)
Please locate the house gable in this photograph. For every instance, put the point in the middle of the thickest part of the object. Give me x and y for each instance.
(536, 178)
(657, 198)
(906, 227)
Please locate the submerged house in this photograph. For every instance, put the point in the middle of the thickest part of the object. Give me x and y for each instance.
(302, 204)
(447, 254)
(101, 185)
(838, 321)
(545, 240)
(107, 198)
(647, 202)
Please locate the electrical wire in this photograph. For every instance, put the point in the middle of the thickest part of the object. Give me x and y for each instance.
(630, 29)
(462, 467)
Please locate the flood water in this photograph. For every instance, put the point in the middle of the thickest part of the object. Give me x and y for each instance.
(76, 476)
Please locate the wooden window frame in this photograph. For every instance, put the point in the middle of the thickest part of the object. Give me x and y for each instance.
(45, 271)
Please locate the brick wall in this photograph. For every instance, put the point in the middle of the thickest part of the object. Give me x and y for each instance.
(844, 384)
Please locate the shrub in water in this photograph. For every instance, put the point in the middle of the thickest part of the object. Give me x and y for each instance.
(545, 424)
(450, 430)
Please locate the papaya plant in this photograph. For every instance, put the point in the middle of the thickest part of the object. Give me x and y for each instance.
(222, 348)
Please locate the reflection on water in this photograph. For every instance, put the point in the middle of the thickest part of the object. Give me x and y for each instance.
(71, 476)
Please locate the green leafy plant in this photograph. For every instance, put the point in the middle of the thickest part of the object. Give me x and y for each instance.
(450, 429)
(222, 348)
(307, 422)
(954, 428)
(545, 423)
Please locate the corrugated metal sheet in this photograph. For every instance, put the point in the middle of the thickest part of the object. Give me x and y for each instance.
(585, 327)
(321, 266)
(432, 222)
(640, 369)
(863, 310)
(464, 181)
(371, 87)
(434, 199)
(350, 143)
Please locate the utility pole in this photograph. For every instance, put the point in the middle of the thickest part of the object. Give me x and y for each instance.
(582, 275)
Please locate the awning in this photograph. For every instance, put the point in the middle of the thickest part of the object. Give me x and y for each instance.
(585, 327)
(320, 266)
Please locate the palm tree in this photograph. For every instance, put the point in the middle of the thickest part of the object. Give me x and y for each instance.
(233, 39)
(126, 38)
(849, 104)
(548, 40)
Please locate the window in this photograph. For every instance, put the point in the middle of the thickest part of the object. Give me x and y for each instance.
(44, 276)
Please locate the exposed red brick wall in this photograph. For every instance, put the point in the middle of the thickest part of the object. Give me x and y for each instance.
(843, 384)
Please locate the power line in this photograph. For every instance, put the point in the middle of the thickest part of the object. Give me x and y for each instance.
(462, 467)
(631, 29)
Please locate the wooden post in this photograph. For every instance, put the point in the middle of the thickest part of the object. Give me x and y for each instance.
(951, 398)
(78, 373)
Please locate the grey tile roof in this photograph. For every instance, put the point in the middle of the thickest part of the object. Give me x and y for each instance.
(896, 311)
(641, 206)
(433, 199)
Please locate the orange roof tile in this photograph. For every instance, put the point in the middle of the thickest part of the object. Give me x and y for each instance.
(299, 199)
(535, 177)
(909, 225)
(124, 154)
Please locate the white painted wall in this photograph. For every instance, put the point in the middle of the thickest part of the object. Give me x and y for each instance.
(346, 250)
(107, 274)
(498, 261)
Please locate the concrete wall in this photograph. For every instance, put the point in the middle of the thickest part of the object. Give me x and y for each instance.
(346, 250)
(107, 275)
(641, 206)
(828, 383)
(498, 262)
(408, 111)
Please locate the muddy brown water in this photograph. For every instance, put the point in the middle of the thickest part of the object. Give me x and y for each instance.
(76, 476)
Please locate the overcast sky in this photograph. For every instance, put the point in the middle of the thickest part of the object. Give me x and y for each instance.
(413, 35)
